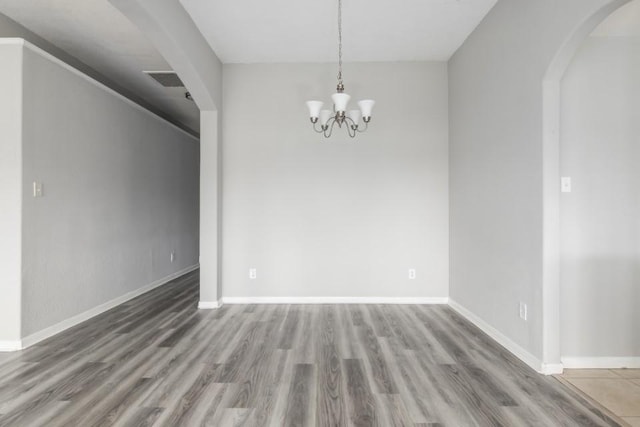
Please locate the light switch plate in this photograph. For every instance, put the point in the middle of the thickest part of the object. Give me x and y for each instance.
(37, 189)
(523, 311)
(565, 184)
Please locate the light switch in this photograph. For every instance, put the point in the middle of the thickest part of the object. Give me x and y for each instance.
(37, 189)
(565, 184)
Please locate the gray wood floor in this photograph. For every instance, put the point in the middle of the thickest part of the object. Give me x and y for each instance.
(157, 360)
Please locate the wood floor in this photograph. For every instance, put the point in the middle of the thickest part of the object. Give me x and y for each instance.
(157, 360)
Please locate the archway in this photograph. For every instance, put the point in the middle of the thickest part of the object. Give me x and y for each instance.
(551, 181)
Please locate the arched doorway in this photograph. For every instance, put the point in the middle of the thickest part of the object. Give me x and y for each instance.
(551, 181)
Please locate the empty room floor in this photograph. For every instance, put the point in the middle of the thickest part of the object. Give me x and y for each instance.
(618, 390)
(158, 360)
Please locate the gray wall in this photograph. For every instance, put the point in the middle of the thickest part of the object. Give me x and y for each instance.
(600, 151)
(337, 217)
(10, 195)
(10, 28)
(496, 160)
(120, 193)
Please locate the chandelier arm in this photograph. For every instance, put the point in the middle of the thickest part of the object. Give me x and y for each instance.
(315, 128)
(351, 131)
(330, 128)
(351, 126)
(366, 126)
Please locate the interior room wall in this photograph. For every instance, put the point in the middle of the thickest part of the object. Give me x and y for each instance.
(120, 193)
(12, 29)
(600, 151)
(335, 217)
(496, 164)
(10, 194)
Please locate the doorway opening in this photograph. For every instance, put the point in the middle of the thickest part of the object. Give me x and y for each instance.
(558, 209)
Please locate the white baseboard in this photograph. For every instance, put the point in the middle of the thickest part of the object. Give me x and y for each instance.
(601, 362)
(10, 346)
(209, 305)
(334, 300)
(507, 342)
(73, 321)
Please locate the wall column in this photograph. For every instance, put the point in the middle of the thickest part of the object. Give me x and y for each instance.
(209, 210)
(11, 195)
(172, 31)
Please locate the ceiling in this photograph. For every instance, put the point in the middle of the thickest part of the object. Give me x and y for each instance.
(255, 31)
(250, 31)
(97, 34)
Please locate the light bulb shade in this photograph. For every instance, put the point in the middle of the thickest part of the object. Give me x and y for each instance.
(355, 115)
(314, 108)
(325, 115)
(366, 105)
(340, 100)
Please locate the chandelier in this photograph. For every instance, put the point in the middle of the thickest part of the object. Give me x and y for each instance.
(350, 120)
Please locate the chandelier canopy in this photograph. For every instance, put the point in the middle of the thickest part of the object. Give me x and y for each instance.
(340, 116)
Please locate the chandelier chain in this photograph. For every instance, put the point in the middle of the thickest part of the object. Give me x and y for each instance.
(340, 42)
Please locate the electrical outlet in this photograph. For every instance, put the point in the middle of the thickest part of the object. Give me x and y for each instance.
(523, 311)
(253, 273)
(173, 256)
(412, 274)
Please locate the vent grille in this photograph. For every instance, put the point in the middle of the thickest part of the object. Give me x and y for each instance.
(166, 78)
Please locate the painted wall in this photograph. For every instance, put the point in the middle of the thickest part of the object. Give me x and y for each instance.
(10, 194)
(12, 29)
(496, 161)
(336, 217)
(120, 194)
(600, 151)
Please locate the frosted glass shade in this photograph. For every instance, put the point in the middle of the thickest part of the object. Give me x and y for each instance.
(366, 105)
(340, 100)
(314, 108)
(325, 115)
(355, 115)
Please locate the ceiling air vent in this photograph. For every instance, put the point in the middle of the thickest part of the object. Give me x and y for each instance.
(165, 78)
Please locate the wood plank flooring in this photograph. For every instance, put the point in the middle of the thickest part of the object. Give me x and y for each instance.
(157, 360)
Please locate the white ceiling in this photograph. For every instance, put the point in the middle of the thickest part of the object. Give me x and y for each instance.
(97, 34)
(624, 22)
(249, 31)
